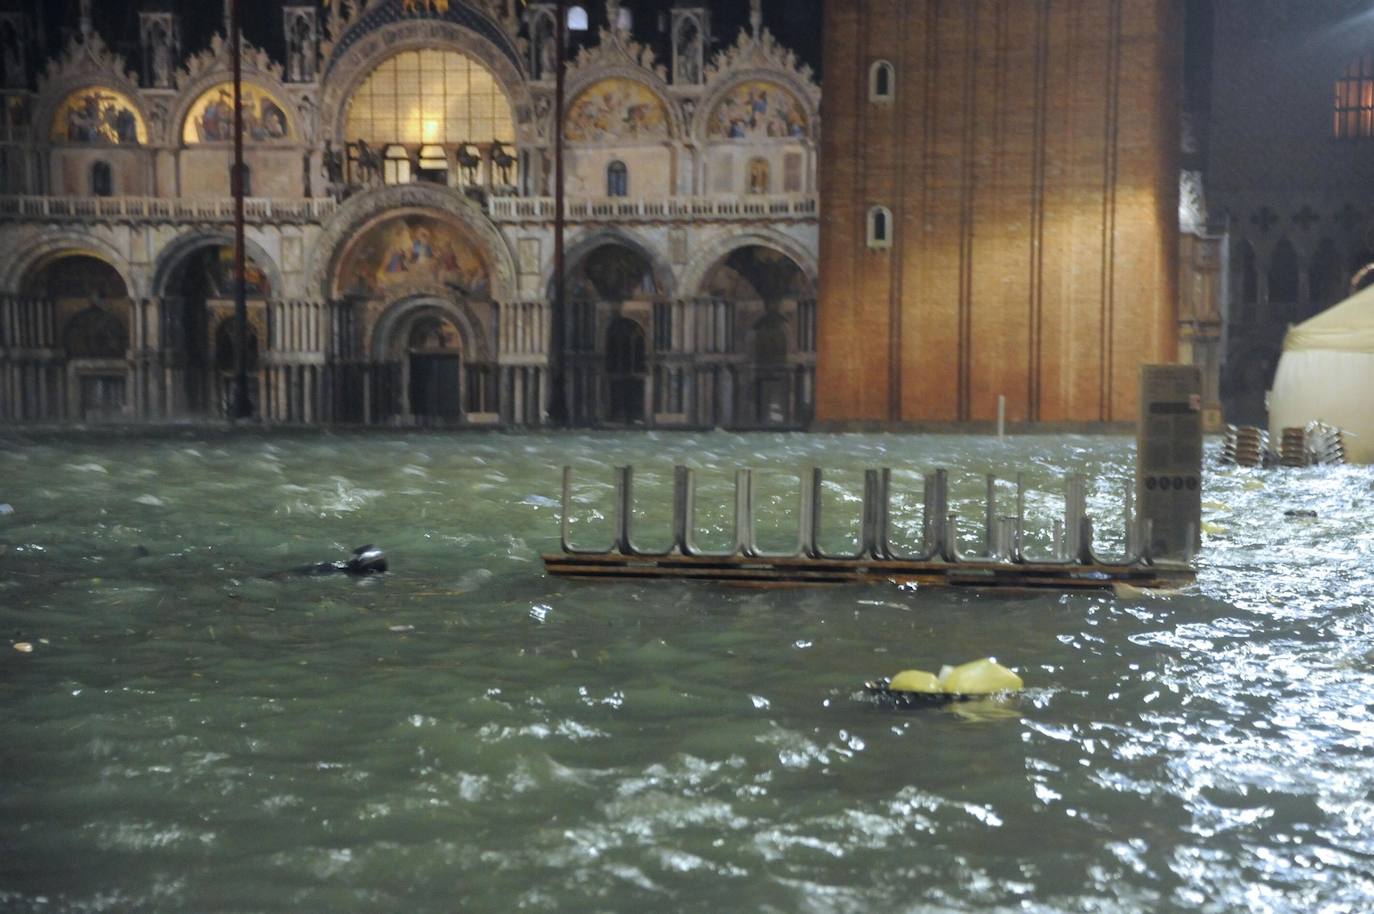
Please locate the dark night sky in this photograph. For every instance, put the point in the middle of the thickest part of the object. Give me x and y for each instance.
(796, 23)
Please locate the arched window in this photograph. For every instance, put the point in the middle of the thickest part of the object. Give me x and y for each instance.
(577, 19)
(1354, 114)
(396, 165)
(879, 227)
(1326, 279)
(617, 180)
(1283, 276)
(102, 180)
(246, 176)
(430, 96)
(882, 81)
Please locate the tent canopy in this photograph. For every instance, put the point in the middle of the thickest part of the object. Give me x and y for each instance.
(1326, 373)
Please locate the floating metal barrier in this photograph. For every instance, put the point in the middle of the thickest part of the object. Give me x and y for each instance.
(1003, 558)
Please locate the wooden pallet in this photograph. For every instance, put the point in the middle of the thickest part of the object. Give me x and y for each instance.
(794, 572)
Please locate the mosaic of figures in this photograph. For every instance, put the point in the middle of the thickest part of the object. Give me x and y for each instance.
(219, 276)
(757, 110)
(412, 250)
(98, 115)
(617, 109)
(212, 116)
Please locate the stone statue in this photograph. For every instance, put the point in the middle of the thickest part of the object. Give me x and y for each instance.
(689, 56)
(468, 160)
(161, 54)
(547, 51)
(503, 161)
(333, 164)
(300, 58)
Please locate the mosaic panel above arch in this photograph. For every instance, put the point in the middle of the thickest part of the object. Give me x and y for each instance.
(413, 251)
(211, 118)
(98, 115)
(616, 110)
(758, 110)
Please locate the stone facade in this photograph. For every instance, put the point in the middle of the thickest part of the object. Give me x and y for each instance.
(1288, 176)
(406, 278)
(1000, 185)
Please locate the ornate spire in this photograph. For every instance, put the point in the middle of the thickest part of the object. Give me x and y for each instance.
(84, 18)
(756, 16)
(613, 15)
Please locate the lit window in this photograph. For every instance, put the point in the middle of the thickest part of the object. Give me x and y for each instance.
(433, 164)
(881, 81)
(430, 96)
(617, 180)
(577, 19)
(879, 227)
(1354, 115)
(396, 165)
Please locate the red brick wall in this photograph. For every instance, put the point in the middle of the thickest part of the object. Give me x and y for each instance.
(1030, 162)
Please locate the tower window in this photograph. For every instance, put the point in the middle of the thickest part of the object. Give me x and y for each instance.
(879, 227)
(882, 79)
(1354, 114)
(617, 180)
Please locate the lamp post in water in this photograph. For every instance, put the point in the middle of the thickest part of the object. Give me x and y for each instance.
(558, 403)
(241, 407)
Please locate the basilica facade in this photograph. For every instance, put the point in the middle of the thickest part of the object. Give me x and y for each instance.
(400, 222)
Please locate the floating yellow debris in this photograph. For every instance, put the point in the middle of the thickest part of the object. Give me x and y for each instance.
(1253, 484)
(24, 647)
(915, 681)
(980, 677)
(1212, 529)
(1215, 506)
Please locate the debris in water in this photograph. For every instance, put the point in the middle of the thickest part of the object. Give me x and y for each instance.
(400, 629)
(24, 647)
(6, 509)
(1300, 512)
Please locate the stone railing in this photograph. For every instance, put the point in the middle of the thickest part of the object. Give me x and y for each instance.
(172, 210)
(162, 209)
(793, 207)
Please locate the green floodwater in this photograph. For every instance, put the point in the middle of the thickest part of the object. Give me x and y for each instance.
(467, 734)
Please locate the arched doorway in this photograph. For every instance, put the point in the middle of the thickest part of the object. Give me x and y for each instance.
(613, 291)
(199, 296)
(435, 364)
(772, 302)
(427, 280)
(627, 372)
(90, 305)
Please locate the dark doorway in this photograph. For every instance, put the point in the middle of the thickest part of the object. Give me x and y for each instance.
(434, 391)
(626, 370)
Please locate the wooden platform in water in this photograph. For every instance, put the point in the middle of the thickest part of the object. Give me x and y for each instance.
(795, 571)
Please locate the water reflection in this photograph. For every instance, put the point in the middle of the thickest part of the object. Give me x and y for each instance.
(468, 734)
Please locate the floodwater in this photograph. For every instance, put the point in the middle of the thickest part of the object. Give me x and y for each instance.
(466, 734)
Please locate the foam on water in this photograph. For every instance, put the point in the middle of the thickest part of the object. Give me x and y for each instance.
(468, 734)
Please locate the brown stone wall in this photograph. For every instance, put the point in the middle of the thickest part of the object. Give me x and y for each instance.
(1029, 159)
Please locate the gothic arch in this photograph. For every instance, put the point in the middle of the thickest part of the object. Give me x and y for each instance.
(69, 243)
(400, 313)
(345, 73)
(365, 208)
(175, 253)
(583, 245)
(90, 63)
(713, 253)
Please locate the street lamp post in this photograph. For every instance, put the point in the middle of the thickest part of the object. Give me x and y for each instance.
(558, 405)
(242, 407)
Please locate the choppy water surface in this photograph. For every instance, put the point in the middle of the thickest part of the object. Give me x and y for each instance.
(468, 734)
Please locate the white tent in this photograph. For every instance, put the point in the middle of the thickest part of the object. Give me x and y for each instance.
(1327, 373)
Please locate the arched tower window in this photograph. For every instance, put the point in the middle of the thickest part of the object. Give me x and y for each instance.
(882, 81)
(102, 180)
(617, 180)
(1354, 109)
(879, 227)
